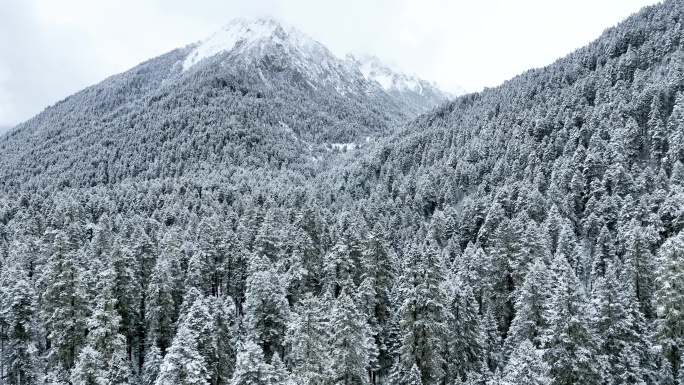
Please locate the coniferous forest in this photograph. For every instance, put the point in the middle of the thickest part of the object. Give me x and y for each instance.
(242, 221)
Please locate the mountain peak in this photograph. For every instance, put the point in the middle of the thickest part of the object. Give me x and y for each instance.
(269, 48)
(392, 79)
(244, 33)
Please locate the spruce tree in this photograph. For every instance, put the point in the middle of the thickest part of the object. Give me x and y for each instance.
(422, 314)
(569, 342)
(21, 363)
(349, 342)
(669, 300)
(105, 353)
(526, 366)
(64, 309)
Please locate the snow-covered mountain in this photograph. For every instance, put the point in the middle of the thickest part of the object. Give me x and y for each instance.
(252, 87)
(267, 45)
(394, 80)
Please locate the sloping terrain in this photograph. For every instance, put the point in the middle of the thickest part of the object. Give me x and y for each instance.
(266, 97)
(528, 234)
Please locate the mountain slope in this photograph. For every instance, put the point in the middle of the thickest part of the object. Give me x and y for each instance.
(251, 96)
(531, 233)
(396, 82)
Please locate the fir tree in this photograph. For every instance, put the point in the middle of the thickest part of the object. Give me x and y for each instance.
(308, 339)
(422, 314)
(568, 340)
(526, 366)
(266, 308)
(350, 339)
(105, 355)
(669, 300)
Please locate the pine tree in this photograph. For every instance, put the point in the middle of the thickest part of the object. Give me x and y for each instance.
(491, 344)
(224, 356)
(160, 306)
(464, 335)
(186, 359)
(127, 291)
(18, 309)
(639, 263)
(526, 366)
(675, 138)
(251, 368)
(339, 269)
(422, 314)
(104, 357)
(308, 339)
(530, 307)
(349, 341)
(669, 300)
(657, 129)
(621, 330)
(64, 309)
(266, 308)
(153, 362)
(414, 376)
(569, 342)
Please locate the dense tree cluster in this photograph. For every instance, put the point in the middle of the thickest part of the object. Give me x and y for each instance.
(200, 232)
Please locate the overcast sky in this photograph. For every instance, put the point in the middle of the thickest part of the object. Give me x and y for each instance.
(50, 49)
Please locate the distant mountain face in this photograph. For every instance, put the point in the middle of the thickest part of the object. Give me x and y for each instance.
(254, 89)
(399, 83)
(265, 43)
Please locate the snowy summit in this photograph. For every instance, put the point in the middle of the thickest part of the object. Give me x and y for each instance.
(267, 40)
(244, 34)
(392, 79)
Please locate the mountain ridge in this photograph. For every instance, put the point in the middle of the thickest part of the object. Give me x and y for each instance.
(531, 233)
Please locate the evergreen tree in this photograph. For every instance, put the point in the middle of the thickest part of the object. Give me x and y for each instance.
(530, 309)
(657, 129)
(64, 309)
(526, 366)
(620, 328)
(349, 341)
(104, 357)
(464, 335)
(19, 351)
(308, 339)
(266, 308)
(186, 361)
(568, 340)
(422, 314)
(159, 316)
(669, 300)
(252, 369)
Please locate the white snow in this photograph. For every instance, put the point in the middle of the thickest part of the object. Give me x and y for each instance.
(239, 31)
(389, 77)
(252, 40)
(343, 146)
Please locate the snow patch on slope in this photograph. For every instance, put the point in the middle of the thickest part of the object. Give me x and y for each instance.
(393, 79)
(238, 32)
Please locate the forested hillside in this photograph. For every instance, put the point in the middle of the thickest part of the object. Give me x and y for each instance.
(215, 225)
